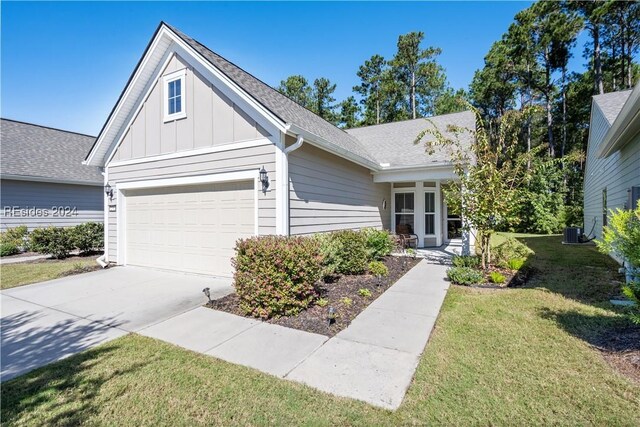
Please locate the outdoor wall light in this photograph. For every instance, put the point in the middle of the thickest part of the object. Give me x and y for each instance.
(331, 316)
(109, 192)
(264, 179)
(207, 292)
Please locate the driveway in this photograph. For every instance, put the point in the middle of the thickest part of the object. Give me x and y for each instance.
(47, 321)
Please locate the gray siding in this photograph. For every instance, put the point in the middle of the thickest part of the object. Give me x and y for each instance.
(330, 193)
(88, 201)
(212, 120)
(617, 173)
(225, 161)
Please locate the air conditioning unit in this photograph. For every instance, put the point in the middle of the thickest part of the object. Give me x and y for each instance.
(572, 235)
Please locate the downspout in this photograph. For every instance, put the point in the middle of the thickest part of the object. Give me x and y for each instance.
(284, 185)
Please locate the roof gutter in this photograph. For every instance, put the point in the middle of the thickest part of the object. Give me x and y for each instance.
(625, 126)
(49, 180)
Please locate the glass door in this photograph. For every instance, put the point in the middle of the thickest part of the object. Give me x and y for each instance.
(454, 224)
(404, 213)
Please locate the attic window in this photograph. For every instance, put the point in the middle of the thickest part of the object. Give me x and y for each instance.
(174, 95)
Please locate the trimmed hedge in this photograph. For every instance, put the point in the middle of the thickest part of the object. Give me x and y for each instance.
(344, 252)
(276, 275)
(8, 249)
(54, 241)
(16, 236)
(88, 236)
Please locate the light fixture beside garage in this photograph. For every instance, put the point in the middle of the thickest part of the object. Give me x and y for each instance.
(109, 192)
(264, 179)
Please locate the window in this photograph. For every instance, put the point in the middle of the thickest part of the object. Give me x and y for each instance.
(174, 96)
(404, 211)
(429, 213)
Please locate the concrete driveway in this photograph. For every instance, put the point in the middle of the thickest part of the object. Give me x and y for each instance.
(47, 321)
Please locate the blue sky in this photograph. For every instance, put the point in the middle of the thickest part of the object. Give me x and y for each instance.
(65, 64)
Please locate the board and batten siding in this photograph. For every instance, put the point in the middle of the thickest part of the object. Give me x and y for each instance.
(252, 158)
(211, 119)
(49, 197)
(617, 173)
(330, 193)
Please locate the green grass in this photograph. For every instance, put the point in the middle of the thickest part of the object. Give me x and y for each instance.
(501, 357)
(12, 275)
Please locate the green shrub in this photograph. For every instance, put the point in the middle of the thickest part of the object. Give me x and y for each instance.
(365, 293)
(343, 252)
(346, 301)
(497, 278)
(471, 261)
(18, 236)
(88, 236)
(509, 249)
(377, 268)
(622, 236)
(379, 243)
(465, 276)
(515, 263)
(276, 275)
(322, 302)
(54, 241)
(632, 292)
(8, 249)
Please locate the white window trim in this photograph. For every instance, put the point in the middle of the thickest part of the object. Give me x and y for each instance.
(121, 188)
(177, 75)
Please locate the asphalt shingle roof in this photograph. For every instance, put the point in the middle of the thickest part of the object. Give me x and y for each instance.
(35, 151)
(611, 103)
(393, 143)
(280, 105)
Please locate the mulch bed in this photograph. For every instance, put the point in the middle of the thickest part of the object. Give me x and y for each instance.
(621, 349)
(314, 319)
(513, 279)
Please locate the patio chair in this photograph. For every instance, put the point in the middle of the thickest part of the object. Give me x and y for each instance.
(407, 238)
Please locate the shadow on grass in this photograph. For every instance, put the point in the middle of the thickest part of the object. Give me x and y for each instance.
(63, 393)
(578, 272)
(605, 332)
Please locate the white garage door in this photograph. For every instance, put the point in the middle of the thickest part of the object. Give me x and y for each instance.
(189, 228)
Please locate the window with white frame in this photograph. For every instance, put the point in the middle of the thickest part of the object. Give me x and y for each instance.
(404, 211)
(174, 95)
(429, 213)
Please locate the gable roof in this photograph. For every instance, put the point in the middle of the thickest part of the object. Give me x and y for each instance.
(393, 143)
(39, 153)
(611, 103)
(359, 146)
(625, 125)
(287, 110)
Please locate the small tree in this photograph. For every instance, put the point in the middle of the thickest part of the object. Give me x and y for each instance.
(488, 174)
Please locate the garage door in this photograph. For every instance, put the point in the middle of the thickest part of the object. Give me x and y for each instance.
(189, 228)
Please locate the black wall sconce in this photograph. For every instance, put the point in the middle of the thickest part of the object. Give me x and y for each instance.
(109, 192)
(264, 179)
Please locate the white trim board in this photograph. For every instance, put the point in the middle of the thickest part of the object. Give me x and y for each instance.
(196, 152)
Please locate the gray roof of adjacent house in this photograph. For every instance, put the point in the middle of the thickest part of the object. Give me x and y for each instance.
(40, 153)
(284, 108)
(611, 103)
(393, 143)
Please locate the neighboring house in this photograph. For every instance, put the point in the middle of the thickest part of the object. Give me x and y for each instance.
(183, 149)
(612, 173)
(42, 179)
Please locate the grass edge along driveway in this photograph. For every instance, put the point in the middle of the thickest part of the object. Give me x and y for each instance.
(507, 357)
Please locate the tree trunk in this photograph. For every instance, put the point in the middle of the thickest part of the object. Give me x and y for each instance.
(413, 94)
(597, 62)
(552, 150)
(377, 109)
(564, 110)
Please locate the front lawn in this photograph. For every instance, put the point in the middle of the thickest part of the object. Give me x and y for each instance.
(12, 275)
(519, 356)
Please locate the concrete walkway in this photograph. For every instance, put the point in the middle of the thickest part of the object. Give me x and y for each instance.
(373, 359)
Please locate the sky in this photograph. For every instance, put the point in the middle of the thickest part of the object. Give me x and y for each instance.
(65, 64)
